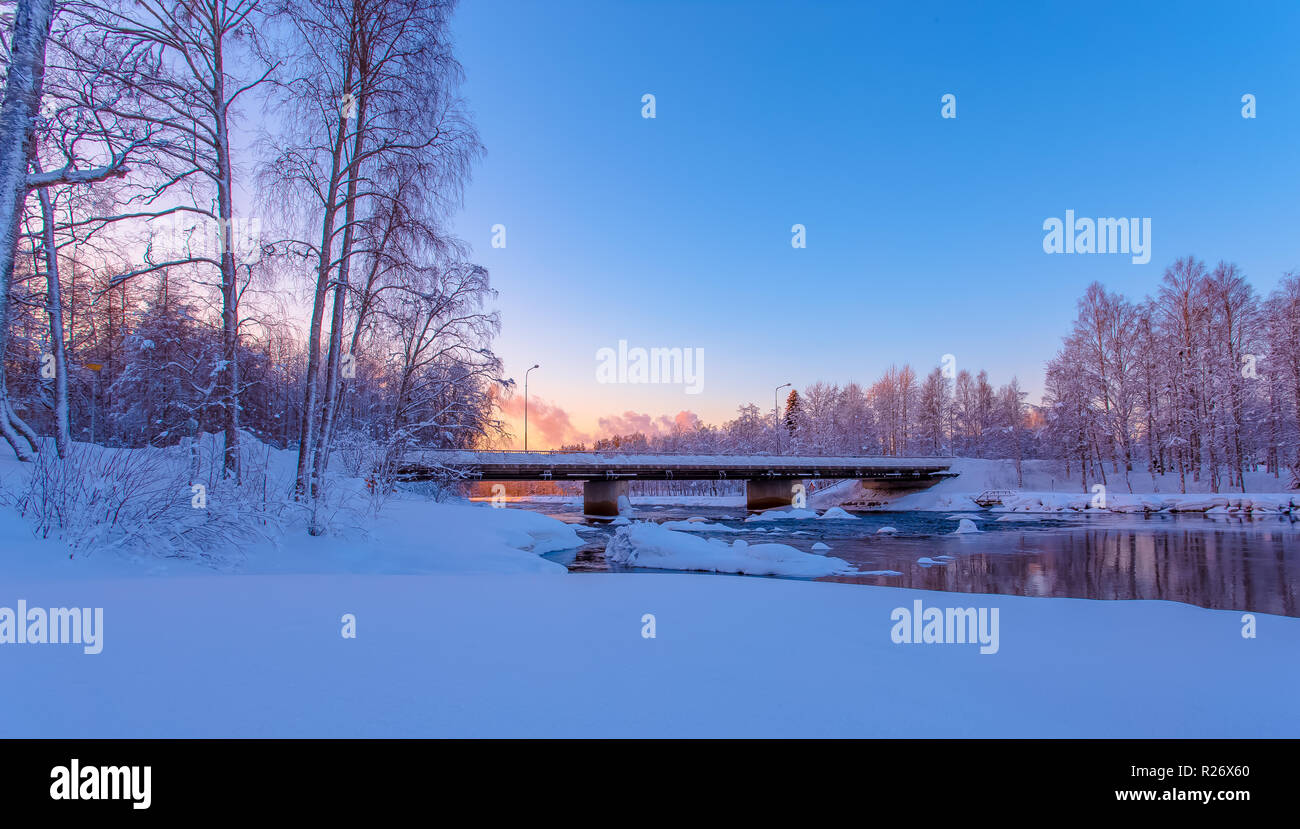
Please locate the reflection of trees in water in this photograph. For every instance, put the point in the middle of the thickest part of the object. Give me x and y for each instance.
(1231, 569)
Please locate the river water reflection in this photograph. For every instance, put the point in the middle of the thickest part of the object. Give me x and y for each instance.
(1233, 564)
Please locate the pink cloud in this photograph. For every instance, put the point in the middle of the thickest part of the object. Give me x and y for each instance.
(549, 426)
(631, 422)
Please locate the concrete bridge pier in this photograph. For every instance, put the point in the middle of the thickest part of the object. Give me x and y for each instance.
(772, 493)
(601, 497)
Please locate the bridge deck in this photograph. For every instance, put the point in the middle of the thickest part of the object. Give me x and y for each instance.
(589, 466)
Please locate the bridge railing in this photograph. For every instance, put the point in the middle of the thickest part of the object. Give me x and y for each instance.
(989, 497)
(683, 454)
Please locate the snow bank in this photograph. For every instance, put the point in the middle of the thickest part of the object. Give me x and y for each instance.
(651, 545)
(783, 515)
(413, 536)
(698, 525)
(506, 656)
(836, 493)
(1225, 504)
(1044, 481)
(410, 534)
(966, 526)
(837, 514)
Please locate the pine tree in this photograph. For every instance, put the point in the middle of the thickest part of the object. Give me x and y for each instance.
(793, 412)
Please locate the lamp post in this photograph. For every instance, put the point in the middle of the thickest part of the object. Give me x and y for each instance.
(526, 406)
(776, 414)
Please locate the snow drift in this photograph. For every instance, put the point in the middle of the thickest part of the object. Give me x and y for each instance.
(650, 545)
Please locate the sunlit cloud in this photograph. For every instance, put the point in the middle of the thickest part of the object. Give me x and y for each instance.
(551, 426)
(649, 425)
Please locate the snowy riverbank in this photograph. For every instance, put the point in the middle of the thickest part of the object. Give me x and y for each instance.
(645, 544)
(406, 533)
(527, 655)
(1046, 489)
(462, 628)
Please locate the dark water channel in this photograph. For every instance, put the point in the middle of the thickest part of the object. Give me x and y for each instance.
(1228, 563)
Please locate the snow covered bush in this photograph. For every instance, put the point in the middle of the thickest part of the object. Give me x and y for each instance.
(165, 502)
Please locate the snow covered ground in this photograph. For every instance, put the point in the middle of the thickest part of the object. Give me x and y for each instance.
(645, 544)
(527, 655)
(411, 535)
(463, 629)
(1046, 489)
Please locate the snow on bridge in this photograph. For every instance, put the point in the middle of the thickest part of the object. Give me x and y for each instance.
(772, 480)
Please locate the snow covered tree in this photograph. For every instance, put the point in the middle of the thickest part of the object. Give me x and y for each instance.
(933, 407)
(793, 413)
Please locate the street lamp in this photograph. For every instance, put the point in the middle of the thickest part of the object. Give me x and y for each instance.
(526, 406)
(776, 414)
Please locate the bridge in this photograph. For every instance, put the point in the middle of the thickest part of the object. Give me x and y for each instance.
(770, 480)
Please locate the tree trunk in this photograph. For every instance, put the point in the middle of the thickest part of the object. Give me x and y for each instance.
(25, 76)
(337, 315)
(229, 271)
(54, 303)
(306, 483)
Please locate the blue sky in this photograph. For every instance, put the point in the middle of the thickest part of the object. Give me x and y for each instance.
(924, 235)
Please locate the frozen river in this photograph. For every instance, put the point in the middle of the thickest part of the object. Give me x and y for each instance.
(1232, 564)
